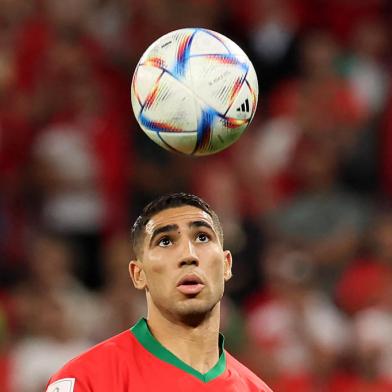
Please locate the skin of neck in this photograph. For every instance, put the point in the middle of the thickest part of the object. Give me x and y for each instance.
(195, 344)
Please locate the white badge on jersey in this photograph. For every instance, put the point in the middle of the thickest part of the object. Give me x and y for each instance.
(63, 385)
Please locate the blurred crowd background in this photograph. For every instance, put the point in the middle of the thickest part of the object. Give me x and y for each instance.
(305, 196)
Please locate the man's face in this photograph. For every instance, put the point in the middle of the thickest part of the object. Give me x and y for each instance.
(182, 264)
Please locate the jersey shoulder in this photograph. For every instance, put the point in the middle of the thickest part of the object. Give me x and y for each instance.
(246, 375)
(92, 362)
(105, 350)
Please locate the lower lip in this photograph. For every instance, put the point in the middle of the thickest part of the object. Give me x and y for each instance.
(190, 288)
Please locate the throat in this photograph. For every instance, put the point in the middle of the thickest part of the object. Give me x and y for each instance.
(200, 359)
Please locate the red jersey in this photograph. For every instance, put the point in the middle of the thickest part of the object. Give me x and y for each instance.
(134, 361)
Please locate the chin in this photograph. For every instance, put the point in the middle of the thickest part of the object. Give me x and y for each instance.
(194, 312)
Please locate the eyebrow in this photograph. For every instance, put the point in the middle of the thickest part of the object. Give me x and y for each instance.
(201, 224)
(163, 229)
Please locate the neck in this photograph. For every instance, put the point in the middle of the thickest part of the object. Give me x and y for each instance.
(196, 344)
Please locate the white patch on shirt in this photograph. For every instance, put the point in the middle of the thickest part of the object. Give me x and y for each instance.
(63, 385)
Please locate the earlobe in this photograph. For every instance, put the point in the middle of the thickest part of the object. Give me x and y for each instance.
(137, 275)
(228, 263)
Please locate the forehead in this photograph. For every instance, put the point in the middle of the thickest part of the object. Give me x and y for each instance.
(177, 216)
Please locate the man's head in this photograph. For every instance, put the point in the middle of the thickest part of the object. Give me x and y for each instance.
(180, 261)
(171, 200)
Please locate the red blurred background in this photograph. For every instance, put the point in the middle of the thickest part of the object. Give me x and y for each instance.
(304, 197)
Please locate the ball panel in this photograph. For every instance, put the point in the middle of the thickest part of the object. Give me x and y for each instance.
(170, 48)
(155, 137)
(205, 122)
(222, 136)
(144, 80)
(215, 80)
(172, 103)
(179, 142)
(244, 103)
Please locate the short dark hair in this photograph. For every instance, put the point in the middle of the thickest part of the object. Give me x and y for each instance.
(171, 200)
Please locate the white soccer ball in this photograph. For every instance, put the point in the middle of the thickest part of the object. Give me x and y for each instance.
(194, 91)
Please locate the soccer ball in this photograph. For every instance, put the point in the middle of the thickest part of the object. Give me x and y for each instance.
(194, 91)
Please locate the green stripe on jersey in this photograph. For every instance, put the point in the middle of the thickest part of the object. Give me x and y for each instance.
(142, 333)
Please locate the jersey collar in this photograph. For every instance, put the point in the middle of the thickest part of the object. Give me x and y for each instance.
(142, 333)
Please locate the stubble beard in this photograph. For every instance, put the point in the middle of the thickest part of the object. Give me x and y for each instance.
(190, 310)
(194, 311)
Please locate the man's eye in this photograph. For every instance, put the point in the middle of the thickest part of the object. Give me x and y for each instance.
(164, 242)
(202, 237)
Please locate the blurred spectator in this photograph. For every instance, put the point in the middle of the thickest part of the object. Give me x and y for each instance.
(81, 162)
(372, 344)
(264, 162)
(48, 344)
(121, 305)
(373, 341)
(55, 315)
(108, 22)
(67, 172)
(323, 219)
(273, 38)
(366, 278)
(319, 99)
(294, 324)
(366, 65)
(51, 264)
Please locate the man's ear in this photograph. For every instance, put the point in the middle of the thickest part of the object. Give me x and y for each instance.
(228, 263)
(137, 275)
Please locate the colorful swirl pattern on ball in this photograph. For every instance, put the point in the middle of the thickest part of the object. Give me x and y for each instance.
(183, 54)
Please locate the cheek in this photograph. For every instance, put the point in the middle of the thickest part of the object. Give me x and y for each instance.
(216, 268)
(156, 270)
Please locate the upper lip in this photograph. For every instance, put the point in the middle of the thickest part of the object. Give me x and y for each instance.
(192, 278)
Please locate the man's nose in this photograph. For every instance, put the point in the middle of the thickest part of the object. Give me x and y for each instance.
(188, 255)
